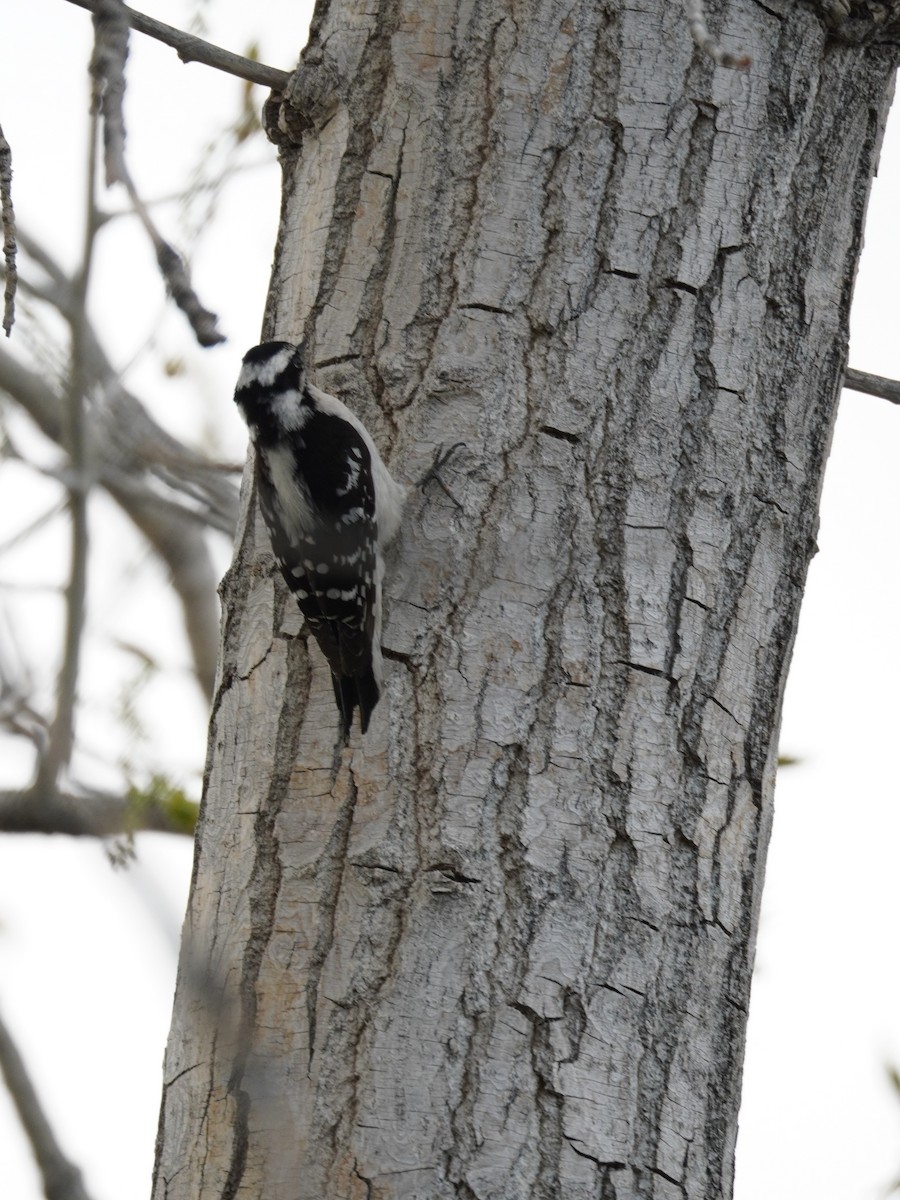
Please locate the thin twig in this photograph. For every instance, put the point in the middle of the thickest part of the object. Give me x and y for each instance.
(61, 1178)
(705, 41)
(194, 49)
(9, 235)
(872, 385)
(61, 738)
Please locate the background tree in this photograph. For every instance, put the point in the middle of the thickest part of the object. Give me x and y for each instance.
(505, 949)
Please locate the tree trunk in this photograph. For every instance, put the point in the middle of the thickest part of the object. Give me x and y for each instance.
(503, 948)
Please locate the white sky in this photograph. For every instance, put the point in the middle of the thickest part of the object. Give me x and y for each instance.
(86, 962)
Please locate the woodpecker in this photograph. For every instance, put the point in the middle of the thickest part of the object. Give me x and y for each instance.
(331, 507)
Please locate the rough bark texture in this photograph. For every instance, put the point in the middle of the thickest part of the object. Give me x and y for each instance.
(505, 951)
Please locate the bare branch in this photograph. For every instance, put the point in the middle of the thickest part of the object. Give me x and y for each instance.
(202, 321)
(194, 49)
(93, 814)
(705, 41)
(9, 235)
(107, 70)
(872, 385)
(61, 1178)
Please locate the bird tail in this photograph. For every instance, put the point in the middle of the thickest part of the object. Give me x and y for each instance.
(367, 695)
(356, 691)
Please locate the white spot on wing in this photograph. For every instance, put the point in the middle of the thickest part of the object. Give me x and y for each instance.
(352, 478)
(389, 495)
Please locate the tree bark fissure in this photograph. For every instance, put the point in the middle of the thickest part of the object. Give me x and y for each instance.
(502, 948)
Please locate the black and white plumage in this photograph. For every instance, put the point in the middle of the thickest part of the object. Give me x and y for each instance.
(330, 506)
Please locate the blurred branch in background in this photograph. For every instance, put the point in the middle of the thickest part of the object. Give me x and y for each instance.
(61, 1178)
(17, 714)
(160, 808)
(894, 1081)
(169, 491)
(172, 494)
(61, 733)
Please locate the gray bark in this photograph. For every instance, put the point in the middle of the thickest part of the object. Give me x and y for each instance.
(505, 950)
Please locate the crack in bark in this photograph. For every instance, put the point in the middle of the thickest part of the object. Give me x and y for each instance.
(562, 435)
(456, 193)
(263, 889)
(330, 876)
(365, 100)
